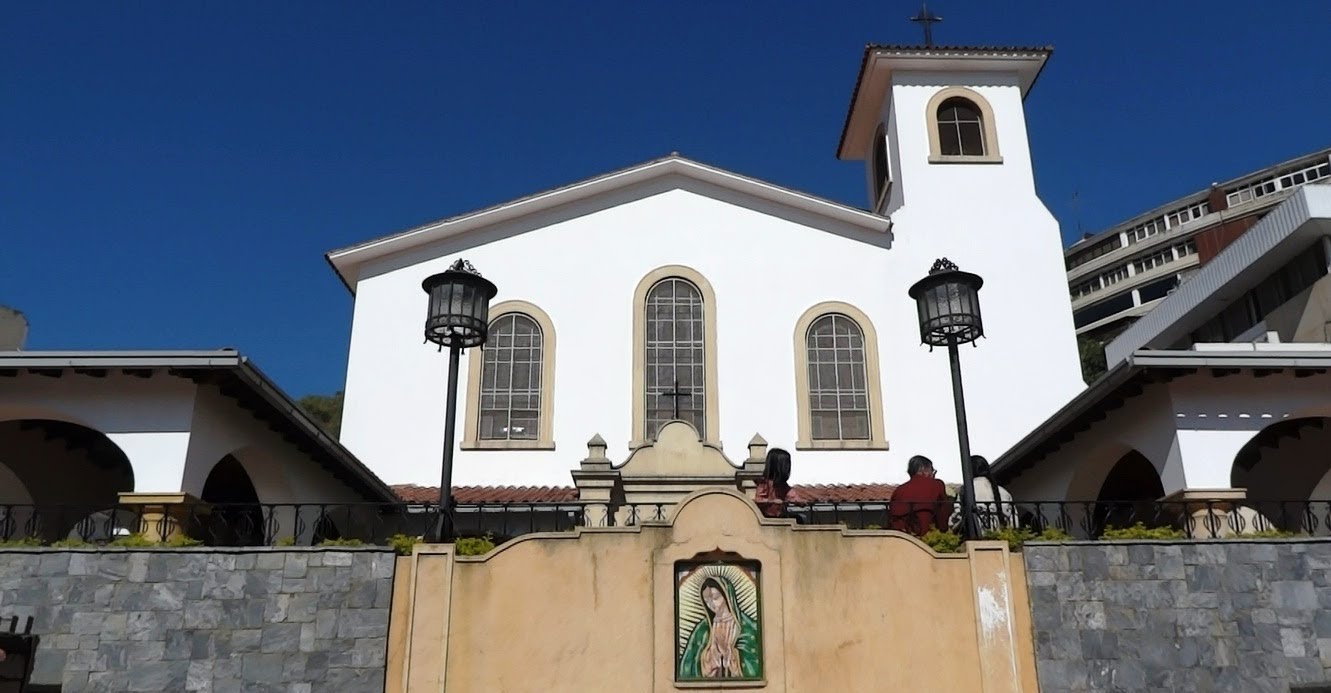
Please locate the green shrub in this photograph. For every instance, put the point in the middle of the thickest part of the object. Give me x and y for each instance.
(285, 541)
(1140, 531)
(21, 542)
(1271, 533)
(70, 543)
(341, 542)
(180, 541)
(474, 546)
(1017, 536)
(1052, 534)
(1014, 536)
(403, 544)
(135, 541)
(943, 542)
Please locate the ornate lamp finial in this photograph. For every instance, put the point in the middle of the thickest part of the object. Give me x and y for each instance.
(943, 264)
(463, 266)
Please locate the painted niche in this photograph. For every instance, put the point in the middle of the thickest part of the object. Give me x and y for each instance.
(718, 627)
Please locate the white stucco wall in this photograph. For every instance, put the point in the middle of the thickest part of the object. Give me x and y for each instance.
(147, 418)
(171, 430)
(766, 270)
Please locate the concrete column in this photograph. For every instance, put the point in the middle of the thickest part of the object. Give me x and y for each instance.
(995, 616)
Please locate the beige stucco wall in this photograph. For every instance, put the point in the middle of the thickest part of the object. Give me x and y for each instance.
(593, 610)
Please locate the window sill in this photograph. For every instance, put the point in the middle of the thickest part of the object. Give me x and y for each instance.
(841, 445)
(938, 159)
(508, 445)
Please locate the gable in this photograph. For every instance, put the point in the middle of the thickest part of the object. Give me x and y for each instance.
(590, 196)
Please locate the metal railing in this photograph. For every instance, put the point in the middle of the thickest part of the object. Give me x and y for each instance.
(309, 524)
(275, 524)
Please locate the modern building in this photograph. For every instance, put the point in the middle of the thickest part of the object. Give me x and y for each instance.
(1222, 390)
(1118, 275)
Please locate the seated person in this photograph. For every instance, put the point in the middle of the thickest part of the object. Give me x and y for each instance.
(922, 503)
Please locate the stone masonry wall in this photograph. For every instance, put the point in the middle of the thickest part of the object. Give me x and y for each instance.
(1250, 615)
(203, 619)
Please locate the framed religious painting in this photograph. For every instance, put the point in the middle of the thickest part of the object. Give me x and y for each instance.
(718, 621)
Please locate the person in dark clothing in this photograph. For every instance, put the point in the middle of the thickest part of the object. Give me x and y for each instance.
(774, 486)
(922, 503)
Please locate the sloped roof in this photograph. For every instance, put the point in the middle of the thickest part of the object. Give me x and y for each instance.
(483, 495)
(235, 376)
(348, 261)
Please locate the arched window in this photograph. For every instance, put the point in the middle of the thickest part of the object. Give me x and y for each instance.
(676, 386)
(837, 379)
(838, 385)
(960, 128)
(510, 381)
(882, 176)
(675, 360)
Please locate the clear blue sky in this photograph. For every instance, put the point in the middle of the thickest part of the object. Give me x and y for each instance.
(173, 172)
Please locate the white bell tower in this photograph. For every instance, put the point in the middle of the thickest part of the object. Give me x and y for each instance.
(942, 132)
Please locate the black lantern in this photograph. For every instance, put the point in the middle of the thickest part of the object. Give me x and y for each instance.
(458, 318)
(948, 301)
(459, 311)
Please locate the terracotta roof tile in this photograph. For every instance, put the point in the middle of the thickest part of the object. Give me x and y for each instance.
(469, 495)
(811, 493)
(840, 493)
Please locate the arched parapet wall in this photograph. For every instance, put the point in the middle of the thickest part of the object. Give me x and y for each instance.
(619, 590)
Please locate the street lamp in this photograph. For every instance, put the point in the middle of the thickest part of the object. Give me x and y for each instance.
(458, 317)
(948, 301)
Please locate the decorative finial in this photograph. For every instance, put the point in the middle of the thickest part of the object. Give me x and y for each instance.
(463, 266)
(927, 19)
(943, 264)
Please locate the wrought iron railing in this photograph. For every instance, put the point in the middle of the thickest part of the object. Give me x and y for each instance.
(274, 524)
(307, 524)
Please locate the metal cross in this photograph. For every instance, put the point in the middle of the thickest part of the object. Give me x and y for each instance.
(676, 393)
(927, 19)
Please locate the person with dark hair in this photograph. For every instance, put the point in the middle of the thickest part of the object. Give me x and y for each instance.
(774, 486)
(993, 504)
(922, 503)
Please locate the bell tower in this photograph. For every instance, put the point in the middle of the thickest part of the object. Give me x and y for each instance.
(942, 134)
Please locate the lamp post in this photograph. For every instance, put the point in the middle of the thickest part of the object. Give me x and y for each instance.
(948, 301)
(458, 317)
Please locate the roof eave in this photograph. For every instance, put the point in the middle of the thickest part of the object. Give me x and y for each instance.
(847, 150)
(347, 261)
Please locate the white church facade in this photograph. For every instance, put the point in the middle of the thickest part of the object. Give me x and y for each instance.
(753, 308)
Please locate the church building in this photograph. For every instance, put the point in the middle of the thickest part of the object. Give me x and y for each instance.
(675, 290)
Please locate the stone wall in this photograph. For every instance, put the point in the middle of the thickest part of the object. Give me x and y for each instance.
(1199, 616)
(203, 619)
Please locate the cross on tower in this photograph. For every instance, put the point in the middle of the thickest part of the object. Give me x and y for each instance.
(676, 393)
(927, 19)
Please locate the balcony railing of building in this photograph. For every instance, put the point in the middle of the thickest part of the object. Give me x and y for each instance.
(313, 524)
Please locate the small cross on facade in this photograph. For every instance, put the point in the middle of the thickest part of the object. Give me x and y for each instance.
(927, 19)
(676, 393)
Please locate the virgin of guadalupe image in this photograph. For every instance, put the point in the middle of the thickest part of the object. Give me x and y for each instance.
(724, 643)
